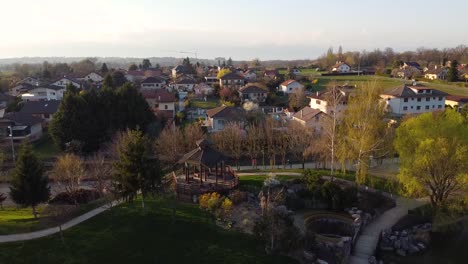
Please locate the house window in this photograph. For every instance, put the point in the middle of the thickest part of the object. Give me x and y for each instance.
(405, 108)
(165, 107)
(419, 99)
(440, 98)
(46, 115)
(156, 105)
(317, 102)
(427, 107)
(418, 107)
(412, 99)
(433, 106)
(412, 107)
(405, 100)
(439, 106)
(428, 99)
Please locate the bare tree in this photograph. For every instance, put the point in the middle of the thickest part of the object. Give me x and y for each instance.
(232, 140)
(170, 144)
(68, 171)
(100, 171)
(192, 133)
(299, 138)
(254, 142)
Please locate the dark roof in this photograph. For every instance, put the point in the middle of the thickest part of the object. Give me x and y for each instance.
(203, 154)
(185, 81)
(228, 112)
(252, 89)
(271, 72)
(435, 70)
(40, 107)
(161, 95)
(22, 118)
(413, 64)
(406, 91)
(181, 69)
(457, 98)
(6, 97)
(338, 64)
(232, 76)
(153, 80)
(307, 113)
(50, 86)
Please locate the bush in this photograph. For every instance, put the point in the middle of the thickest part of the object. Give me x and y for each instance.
(80, 196)
(238, 197)
(226, 205)
(210, 201)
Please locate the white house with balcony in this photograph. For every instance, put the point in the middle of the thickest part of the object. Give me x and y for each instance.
(65, 81)
(44, 93)
(413, 100)
(341, 67)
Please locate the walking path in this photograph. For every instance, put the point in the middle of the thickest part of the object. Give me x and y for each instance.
(54, 230)
(367, 241)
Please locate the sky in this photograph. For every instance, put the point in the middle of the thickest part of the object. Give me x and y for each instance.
(241, 29)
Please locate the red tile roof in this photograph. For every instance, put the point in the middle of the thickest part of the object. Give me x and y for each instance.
(160, 95)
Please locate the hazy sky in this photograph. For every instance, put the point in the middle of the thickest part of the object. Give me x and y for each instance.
(242, 29)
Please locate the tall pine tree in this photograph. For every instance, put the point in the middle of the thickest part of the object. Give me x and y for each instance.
(29, 186)
(452, 75)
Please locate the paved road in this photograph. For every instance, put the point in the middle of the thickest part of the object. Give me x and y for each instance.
(367, 241)
(54, 230)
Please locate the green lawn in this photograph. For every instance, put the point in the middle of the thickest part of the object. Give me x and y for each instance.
(126, 235)
(45, 147)
(18, 220)
(210, 103)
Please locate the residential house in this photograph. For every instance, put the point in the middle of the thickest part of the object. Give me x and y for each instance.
(41, 109)
(134, 76)
(211, 80)
(271, 75)
(232, 80)
(203, 89)
(310, 117)
(152, 83)
(219, 117)
(320, 100)
(184, 83)
(63, 82)
(437, 73)
(22, 127)
(411, 64)
(413, 100)
(161, 102)
(5, 99)
(341, 67)
(31, 81)
(253, 93)
(92, 77)
(455, 101)
(44, 93)
(250, 76)
(290, 86)
(21, 88)
(296, 71)
(181, 70)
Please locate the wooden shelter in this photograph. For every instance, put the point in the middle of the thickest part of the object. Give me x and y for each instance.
(205, 170)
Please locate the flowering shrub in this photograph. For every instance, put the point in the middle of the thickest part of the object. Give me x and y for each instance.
(210, 201)
(226, 205)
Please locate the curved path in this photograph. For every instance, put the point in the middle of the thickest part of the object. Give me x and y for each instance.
(54, 230)
(367, 241)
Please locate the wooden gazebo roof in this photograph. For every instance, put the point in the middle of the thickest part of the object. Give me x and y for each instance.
(203, 154)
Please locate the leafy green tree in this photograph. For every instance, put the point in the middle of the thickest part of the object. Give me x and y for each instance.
(452, 75)
(364, 130)
(464, 113)
(146, 64)
(433, 150)
(104, 69)
(118, 78)
(133, 67)
(223, 72)
(136, 169)
(29, 186)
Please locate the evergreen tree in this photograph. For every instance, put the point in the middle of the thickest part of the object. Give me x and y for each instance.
(104, 69)
(29, 186)
(108, 82)
(132, 109)
(229, 62)
(452, 75)
(135, 168)
(146, 64)
(133, 67)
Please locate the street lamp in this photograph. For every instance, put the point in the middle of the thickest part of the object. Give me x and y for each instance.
(12, 145)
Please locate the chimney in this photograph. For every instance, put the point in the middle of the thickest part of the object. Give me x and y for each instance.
(301, 113)
(317, 93)
(159, 98)
(435, 67)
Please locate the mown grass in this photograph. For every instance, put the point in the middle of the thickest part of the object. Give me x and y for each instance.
(45, 147)
(210, 103)
(18, 220)
(128, 235)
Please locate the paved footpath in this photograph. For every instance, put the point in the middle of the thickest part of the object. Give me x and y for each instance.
(367, 241)
(54, 230)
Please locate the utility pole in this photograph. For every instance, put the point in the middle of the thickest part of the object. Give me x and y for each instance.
(12, 144)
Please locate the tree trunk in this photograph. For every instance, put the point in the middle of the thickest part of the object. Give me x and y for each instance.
(61, 234)
(34, 211)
